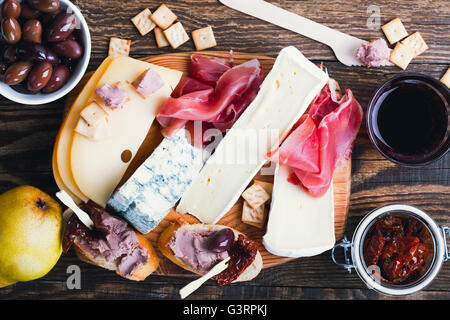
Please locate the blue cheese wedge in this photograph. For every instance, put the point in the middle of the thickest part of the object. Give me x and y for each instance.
(151, 192)
(299, 225)
(284, 96)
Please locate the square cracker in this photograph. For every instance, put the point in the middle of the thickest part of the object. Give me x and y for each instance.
(401, 56)
(119, 47)
(446, 78)
(204, 38)
(394, 30)
(163, 17)
(267, 186)
(256, 196)
(176, 35)
(161, 40)
(254, 217)
(143, 21)
(416, 43)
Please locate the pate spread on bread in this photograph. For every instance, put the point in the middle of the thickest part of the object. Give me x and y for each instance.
(111, 244)
(198, 247)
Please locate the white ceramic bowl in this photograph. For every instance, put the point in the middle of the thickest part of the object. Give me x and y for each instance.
(76, 75)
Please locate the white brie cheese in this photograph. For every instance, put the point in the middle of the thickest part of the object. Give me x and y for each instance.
(299, 225)
(284, 96)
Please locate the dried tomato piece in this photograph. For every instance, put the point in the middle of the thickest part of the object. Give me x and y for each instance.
(373, 248)
(242, 254)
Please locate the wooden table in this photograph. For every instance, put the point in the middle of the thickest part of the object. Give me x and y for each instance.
(27, 135)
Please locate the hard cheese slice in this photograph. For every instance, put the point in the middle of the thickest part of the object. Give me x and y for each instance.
(299, 225)
(97, 166)
(284, 96)
(61, 151)
(151, 192)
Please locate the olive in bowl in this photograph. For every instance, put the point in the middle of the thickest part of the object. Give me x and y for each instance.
(45, 49)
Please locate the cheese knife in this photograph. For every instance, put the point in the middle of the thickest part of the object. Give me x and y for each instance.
(343, 45)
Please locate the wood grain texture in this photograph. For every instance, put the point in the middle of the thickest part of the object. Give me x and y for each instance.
(27, 135)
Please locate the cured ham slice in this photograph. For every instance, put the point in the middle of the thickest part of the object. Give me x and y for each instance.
(321, 140)
(234, 90)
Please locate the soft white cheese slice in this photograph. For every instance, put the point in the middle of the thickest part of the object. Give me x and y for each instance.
(299, 225)
(284, 96)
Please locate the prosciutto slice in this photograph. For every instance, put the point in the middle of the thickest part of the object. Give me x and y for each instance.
(321, 140)
(234, 90)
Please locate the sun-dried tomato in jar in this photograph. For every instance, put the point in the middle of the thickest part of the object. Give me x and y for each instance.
(401, 246)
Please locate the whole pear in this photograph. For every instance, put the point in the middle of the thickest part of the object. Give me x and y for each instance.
(30, 234)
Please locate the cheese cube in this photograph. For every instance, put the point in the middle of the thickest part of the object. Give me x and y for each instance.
(163, 17)
(267, 186)
(204, 38)
(161, 40)
(401, 56)
(119, 47)
(254, 217)
(143, 21)
(93, 114)
(416, 43)
(394, 30)
(176, 35)
(99, 132)
(256, 196)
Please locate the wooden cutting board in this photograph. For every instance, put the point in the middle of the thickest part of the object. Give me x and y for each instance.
(180, 61)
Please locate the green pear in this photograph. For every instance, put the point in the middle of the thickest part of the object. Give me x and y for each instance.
(30, 234)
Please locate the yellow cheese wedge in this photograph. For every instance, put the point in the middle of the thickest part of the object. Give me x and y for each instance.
(61, 167)
(97, 166)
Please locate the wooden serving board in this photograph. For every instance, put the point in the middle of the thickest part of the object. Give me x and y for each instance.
(180, 61)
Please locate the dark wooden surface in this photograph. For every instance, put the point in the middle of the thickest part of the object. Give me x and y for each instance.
(27, 135)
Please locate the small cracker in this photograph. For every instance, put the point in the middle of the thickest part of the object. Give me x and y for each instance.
(416, 43)
(161, 40)
(119, 47)
(143, 21)
(176, 35)
(256, 196)
(446, 78)
(163, 17)
(254, 217)
(267, 186)
(204, 38)
(394, 30)
(401, 56)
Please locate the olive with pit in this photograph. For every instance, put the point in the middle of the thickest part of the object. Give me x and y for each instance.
(39, 76)
(32, 31)
(44, 5)
(61, 27)
(68, 48)
(48, 18)
(221, 240)
(30, 51)
(17, 72)
(11, 31)
(9, 55)
(11, 8)
(52, 57)
(29, 13)
(59, 78)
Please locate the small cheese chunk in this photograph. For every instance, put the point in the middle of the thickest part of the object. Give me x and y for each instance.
(416, 43)
(394, 30)
(204, 38)
(93, 114)
(446, 78)
(163, 17)
(114, 96)
(161, 40)
(148, 82)
(176, 35)
(254, 217)
(401, 56)
(256, 196)
(99, 132)
(143, 21)
(119, 47)
(267, 186)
